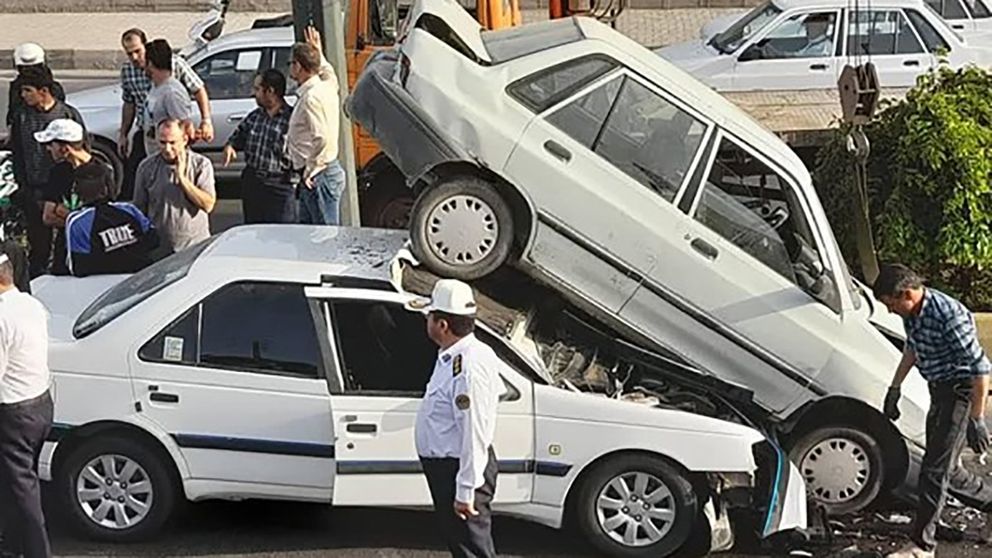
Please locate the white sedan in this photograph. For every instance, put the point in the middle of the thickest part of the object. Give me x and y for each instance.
(802, 44)
(278, 362)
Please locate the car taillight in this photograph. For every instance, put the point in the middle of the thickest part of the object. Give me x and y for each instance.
(404, 69)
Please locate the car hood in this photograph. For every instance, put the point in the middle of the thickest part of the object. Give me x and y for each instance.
(66, 298)
(105, 96)
(689, 55)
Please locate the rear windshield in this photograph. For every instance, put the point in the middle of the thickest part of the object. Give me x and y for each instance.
(507, 44)
(125, 295)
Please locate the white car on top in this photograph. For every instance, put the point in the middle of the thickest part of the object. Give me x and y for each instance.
(278, 362)
(805, 44)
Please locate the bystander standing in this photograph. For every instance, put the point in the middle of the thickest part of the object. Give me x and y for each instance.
(28, 57)
(168, 99)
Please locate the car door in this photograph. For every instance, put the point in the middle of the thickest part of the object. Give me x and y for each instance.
(887, 39)
(799, 52)
(237, 380)
(603, 160)
(384, 361)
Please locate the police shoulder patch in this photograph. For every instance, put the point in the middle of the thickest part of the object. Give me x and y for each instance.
(462, 401)
(456, 365)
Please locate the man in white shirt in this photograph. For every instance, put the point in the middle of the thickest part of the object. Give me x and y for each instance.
(26, 411)
(312, 140)
(456, 422)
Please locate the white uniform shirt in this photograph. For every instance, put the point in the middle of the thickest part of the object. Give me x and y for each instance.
(24, 370)
(457, 417)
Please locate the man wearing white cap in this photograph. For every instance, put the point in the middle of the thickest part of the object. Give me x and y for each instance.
(456, 422)
(28, 55)
(65, 141)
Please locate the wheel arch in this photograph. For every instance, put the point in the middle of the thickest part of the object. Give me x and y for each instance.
(854, 413)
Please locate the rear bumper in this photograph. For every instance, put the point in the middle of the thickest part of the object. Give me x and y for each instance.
(406, 134)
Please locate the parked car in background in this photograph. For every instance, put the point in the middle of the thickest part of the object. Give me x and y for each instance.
(642, 196)
(797, 45)
(280, 363)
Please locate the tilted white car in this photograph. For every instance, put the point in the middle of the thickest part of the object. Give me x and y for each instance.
(278, 362)
(799, 44)
(582, 159)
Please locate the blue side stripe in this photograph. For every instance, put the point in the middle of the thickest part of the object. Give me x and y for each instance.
(772, 512)
(252, 445)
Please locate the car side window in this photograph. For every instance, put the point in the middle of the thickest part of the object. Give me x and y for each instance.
(230, 74)
(879, 33)
(543, 89)
(751, 205)
(948, 9)
(645, 136)
(808, 35)
(932, 39)
(978, 9)
(382, 348)
(280, 61)
(584, 118)
(263, 328)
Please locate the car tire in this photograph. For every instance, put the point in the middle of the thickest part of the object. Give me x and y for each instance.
(606, 527)
(150, 481)
(842, 467)
(386, 200)
(462, 228)
(106, 152)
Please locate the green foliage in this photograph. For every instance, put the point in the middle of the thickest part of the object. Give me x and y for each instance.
(930, 200)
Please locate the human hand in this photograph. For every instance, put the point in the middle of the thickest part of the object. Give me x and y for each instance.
(465, 511)
(123, 145)
(978, 435)
(206, 131)
(312, 37)
(181, 163)
(308, 182)
(891, 406)
(229, 155)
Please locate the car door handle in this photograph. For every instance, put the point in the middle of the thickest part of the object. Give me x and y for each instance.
(236, 118)
(818, 67)
(361, 428)
(958, 26)
(160, 397)
(704, 248)
(911, 63)
(558, 150)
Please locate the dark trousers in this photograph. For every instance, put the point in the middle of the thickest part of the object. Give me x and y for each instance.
(267, 198)
(941, 473)
(472, 538)
(39, 234)
(134, 158)
(23, 429)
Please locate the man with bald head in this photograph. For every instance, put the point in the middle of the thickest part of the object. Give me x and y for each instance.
(175, 188)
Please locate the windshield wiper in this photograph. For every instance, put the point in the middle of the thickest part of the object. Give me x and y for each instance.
(713, 42)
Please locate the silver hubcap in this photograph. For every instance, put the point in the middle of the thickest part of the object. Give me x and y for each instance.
(114, 492)
(462, 230)
(836, 470)
(636, 509)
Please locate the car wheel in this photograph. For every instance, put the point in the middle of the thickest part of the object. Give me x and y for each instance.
(386, 200)
(842, 467)
(636, 505)
(461, 228)
(106, 152)
(117, 489)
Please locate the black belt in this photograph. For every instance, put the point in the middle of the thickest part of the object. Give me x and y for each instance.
(27, 402)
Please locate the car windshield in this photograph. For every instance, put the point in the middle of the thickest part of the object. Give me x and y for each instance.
(734, 36)
(125, 295)
(943, 24)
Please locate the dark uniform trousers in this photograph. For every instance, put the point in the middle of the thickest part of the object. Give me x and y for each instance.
(24, 426)
(941, 472)
(267, 198)
(472, 538)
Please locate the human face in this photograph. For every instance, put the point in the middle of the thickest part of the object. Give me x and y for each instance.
(135, 51)
(58, 151)
(262, 95)
(295, 71)
(173, 141)
(437, 328)
(817, 30)
(32, 96)
(903, 304)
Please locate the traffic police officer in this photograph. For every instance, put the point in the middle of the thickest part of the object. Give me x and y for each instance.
(456, 422)
(25, 415)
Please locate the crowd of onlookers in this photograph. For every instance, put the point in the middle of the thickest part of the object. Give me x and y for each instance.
(81, 219)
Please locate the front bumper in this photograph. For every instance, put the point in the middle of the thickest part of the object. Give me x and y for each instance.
(406, 134)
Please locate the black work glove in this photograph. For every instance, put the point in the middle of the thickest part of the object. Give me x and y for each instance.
(978, 435)
(891, 406)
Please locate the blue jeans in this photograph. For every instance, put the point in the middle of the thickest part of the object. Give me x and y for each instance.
(321, 205)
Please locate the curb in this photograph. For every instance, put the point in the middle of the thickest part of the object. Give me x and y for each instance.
(73, 59)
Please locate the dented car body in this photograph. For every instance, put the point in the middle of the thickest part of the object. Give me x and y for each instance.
(654, 205)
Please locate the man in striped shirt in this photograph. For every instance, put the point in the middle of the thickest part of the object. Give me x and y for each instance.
(941, 341)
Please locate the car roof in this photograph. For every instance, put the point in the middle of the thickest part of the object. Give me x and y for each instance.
(874, 4)
(305, 252)
(695, 93)
(265, 37)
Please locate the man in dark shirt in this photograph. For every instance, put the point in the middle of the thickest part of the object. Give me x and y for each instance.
(103, 236)
(64, 140)
(30, 57)
(32, 163)
(266, 184)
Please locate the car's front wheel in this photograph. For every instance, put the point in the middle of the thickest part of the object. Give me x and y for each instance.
(636, 505)
(461, 228)
(116, 489)
(842, 467)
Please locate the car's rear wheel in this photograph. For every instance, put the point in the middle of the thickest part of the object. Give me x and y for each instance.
(636, 505)
(842, 467)
(386, 200)
(462, 228)
(116, 489)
